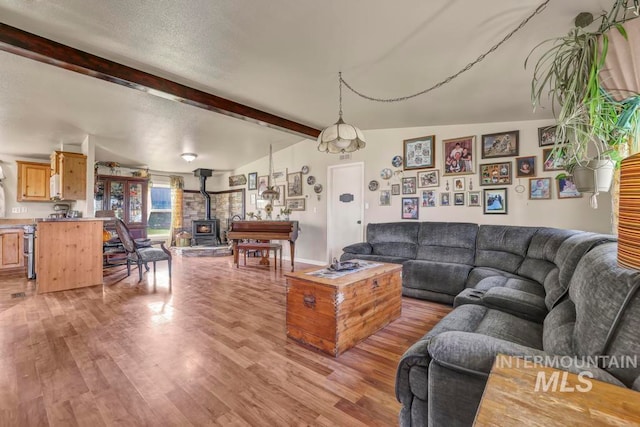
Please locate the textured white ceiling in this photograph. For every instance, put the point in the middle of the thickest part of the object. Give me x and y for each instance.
(281, 56)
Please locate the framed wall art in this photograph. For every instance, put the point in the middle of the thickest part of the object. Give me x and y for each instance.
(458, 199)
(567, 188)
(428, 179)
(526, 167)
(295, 204)
(458, 184)
(294, 184)
(252, 184)
(395, 189)
(539, 188)
(495, 173)
(237, 180)
(495, 201)
(503, 144)
(280, 200)
(429, 198)
(263, 183)
(409, 185)
(445, 199)
(459, 155)
(553, 159)
(419, 153)
(547, 136)
(410, 208)
(252, 198)
(385, 198)
(474, 198)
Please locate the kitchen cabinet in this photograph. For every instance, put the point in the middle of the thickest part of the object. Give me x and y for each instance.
(33, 182)
(127, 198)
(71, 171)
(11, 249)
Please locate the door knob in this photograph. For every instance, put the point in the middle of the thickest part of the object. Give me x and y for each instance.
(359, 222)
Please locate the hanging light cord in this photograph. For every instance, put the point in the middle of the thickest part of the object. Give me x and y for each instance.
(470, 65)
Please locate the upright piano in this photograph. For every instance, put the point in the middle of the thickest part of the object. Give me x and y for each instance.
(263, 230)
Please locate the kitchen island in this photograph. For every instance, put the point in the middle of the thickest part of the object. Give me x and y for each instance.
(68, 253)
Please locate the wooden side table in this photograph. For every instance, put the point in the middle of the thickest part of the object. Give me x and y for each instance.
(510, 398)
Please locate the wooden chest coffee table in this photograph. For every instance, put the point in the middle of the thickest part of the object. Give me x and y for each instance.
(334, 314)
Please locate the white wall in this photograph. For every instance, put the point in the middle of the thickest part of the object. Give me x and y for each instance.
(383, 144)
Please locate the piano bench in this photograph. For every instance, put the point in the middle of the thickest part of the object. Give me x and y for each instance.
(256, 246)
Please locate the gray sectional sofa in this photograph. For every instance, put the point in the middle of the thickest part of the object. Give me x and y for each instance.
(528, 291)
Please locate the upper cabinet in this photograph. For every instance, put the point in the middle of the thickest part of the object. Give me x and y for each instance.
(69, 176)
(33, 182)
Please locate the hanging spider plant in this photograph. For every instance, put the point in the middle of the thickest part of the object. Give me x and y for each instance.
(589, 122)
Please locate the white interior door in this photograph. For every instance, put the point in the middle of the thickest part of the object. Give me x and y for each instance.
(345, 210)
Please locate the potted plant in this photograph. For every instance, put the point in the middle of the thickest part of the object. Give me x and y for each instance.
(593, 129)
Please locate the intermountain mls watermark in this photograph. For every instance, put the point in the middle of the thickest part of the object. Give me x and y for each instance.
(559, 381)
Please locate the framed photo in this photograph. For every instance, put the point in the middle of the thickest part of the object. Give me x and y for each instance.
(567, 188)
(547, 136)
(429, 198)
(525, 167)
(263, 183)
(410, 208)
(385, 198)
(474, 198)
(495, 173)
(539, 188)
(445, 199)
(237, 180)
(458, 184)
(458, 199)
(294, 187)
(296, 204)
(419, 153)
(553, 159)
(409, 185)
(503, 144)
(395, 189)
(280, 200)
(279, 176)
(459, 155)
(252, 198)
(252, 184)
(428, 179)
(495, 201)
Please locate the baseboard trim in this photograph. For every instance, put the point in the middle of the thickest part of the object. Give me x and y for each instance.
(306, 261)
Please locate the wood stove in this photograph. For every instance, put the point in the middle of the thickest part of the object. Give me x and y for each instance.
(205, 231)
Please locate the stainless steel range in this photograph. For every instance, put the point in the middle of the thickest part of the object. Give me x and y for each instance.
(30, 250)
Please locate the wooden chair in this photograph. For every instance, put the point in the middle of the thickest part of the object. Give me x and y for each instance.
(141, 255)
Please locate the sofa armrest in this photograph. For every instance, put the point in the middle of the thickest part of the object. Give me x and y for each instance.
(416, 355)
(474, 354)
(363, 248)
(519, 303)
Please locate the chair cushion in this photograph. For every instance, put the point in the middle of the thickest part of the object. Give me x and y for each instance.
(150, 255)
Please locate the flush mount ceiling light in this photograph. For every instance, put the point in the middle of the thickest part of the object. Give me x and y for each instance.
(189, 157)
(340, 137)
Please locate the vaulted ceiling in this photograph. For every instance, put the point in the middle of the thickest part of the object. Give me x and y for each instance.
(279, 56)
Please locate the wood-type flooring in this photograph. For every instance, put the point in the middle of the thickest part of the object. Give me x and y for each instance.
(210, 351)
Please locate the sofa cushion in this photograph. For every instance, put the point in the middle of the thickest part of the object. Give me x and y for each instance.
(451, 242)
(515, 283)
(479, 273)
(441, 277)
(396, 249)
(567, 258)
(522, 304)
(379, 258)
(558, 329)
(502, 247)
(396, 239)
(603, 292)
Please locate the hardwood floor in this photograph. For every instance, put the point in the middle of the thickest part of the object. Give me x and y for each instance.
(212, 351)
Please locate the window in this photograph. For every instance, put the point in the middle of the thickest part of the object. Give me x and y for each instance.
(159, 221)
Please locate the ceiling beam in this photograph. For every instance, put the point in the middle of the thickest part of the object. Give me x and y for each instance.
(40, 49)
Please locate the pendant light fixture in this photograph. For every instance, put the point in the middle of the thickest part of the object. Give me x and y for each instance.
(271, 193)
(340, 137)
